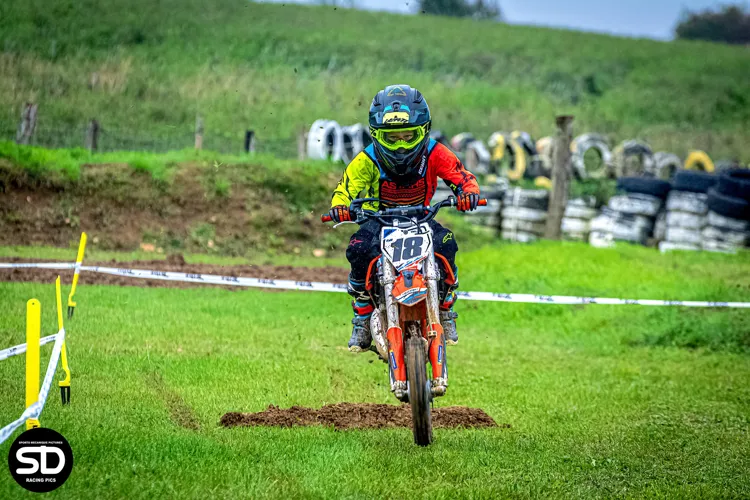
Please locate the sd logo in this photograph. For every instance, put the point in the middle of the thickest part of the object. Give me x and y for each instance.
(40, 460)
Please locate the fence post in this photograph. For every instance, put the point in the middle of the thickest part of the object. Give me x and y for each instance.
(27, 124)
(92, 136)
(561, 171)
(198, 132)
(249, 141)
(302, 144)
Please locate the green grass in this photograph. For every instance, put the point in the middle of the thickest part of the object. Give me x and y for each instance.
(274, 68)
(596, 409)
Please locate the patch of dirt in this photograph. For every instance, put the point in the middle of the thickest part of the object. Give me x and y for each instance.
(179, 411)
(358, 416)
(173, 263)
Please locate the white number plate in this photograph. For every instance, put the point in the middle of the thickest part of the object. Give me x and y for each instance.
(405, 247)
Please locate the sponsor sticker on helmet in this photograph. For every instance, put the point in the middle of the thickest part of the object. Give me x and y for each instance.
(396, 117)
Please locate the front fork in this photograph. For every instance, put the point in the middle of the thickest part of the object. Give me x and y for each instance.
(436, 345)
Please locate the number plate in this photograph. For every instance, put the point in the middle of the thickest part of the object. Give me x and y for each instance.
(405, 247)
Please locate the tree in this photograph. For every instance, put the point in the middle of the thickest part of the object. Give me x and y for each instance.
(479, 9)
(731, 25)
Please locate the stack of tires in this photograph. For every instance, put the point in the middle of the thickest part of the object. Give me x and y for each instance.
(681, 226)
(576, 223)
(728, 212)
(630, 216)
(524, 214)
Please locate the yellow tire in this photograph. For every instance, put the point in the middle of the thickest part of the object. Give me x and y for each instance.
(699, 160)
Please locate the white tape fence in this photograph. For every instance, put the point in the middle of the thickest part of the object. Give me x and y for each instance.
(35, 410)
(337, 287)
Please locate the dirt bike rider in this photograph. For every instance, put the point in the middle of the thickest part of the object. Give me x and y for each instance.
(401, 167)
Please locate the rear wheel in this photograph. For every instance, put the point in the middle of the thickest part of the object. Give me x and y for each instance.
(419, 389)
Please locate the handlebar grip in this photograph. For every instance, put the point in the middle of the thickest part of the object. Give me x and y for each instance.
(482, 202)
(326, 218)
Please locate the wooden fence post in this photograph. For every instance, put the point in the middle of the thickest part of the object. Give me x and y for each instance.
(561, 173)
(302, 144)
(249, 141)
(92, 136)
(198, 132)
(27, 125)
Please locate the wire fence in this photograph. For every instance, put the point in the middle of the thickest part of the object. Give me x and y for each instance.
(51, 135)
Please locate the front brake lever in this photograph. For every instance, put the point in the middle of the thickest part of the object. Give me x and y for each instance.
(343, 222)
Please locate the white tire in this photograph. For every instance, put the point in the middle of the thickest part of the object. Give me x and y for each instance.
(686, 236)
(525, 226)
(684, 201)
(528, 214)
(712, 233)
(601, 239)
(579, 212)
(570, 225)
(636, 204)
(717, 220)
(685, 220)
(520, 237)
(719, 247)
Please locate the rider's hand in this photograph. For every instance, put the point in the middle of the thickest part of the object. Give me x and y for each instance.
(340, 213)
(467, 202)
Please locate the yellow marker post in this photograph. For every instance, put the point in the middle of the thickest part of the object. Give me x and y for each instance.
(79, 260)
(33, 332)
(65, 383)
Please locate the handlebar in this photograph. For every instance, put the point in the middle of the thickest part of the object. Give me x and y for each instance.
(427, 213)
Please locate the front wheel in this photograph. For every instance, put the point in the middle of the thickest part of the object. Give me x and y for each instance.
(419, 386)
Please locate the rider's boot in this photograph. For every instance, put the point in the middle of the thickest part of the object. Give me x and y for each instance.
(361, 338)
(448, 319)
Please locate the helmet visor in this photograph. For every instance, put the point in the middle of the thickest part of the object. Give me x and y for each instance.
(395, 139)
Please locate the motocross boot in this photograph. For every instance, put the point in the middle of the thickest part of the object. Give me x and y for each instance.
(361, 338)
(448, 322)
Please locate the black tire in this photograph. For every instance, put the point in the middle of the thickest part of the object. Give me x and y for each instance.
(735, 183)
(644, 185)
(735, 208)
(693, 181)
(419, 390)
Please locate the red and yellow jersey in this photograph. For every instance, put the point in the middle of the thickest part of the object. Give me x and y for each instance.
(363, 178)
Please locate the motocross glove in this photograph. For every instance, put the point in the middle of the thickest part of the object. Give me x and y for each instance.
(467, 202)
(340, 213)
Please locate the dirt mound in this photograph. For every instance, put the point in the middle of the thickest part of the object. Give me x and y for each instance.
(358, 416)
(173, 263)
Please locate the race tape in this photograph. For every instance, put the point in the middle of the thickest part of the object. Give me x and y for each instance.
(35, 409)
(39, 265)
(337, 287)
(21, 348)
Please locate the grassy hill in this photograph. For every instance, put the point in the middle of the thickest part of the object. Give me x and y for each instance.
(275, 67)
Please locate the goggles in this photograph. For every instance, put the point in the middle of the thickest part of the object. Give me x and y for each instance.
(393, 139)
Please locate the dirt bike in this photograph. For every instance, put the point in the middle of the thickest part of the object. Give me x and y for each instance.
(406, 287)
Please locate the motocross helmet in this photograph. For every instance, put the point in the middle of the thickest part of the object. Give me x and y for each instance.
(400, 108)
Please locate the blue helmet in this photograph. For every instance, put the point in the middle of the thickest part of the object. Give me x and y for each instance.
(400, 124)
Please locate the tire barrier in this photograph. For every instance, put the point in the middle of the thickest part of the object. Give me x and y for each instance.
(666, 165)
(524, 214)
(580, 146)
(699, 160)
(694, 182)
(325, 141)
(477, 158)
(534, 164)
(633, 158)
(502, 147)
(687, 202)
(545, 150)
(355, 139)
(630, 217)
(576, 222)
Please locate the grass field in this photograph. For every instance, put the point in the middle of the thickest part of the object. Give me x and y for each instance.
(144, 70)
(603, 401)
